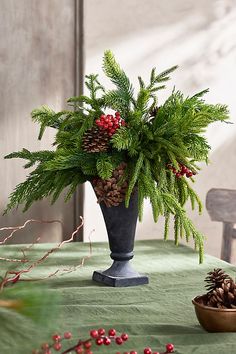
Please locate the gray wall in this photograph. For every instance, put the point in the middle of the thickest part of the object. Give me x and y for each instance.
(199, 36)
(37, 66)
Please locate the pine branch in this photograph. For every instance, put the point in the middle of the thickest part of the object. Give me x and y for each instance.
(134, 178)
(104, 167)
(117, 76)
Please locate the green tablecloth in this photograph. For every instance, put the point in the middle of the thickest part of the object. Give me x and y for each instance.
(153, 314)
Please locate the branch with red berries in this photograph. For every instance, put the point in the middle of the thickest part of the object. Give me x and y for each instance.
(181, 171)
(97, 337)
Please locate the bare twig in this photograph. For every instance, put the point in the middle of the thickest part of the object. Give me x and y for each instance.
(17, 274)
(14, 229)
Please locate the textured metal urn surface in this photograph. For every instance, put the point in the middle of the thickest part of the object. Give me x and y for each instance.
(121, 226)
(214, 319)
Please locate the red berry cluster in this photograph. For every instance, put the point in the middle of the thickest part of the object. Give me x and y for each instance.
(110, 123)
(183, 170)
(100, 337)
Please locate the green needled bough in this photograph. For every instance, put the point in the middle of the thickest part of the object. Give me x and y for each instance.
(160, 143)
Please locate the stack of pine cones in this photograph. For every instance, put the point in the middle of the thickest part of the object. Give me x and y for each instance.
(112, 191)
(221, 290)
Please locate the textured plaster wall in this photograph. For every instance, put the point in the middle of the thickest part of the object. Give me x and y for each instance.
(36, 68)
(200, 37)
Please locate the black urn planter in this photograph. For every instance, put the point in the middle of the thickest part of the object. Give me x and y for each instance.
(121, 226)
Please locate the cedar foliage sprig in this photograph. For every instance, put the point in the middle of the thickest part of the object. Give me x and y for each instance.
(151, 138)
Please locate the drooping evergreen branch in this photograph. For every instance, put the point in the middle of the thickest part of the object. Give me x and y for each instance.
(154, 143)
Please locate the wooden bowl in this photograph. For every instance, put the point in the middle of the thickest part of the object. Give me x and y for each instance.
(213, 319)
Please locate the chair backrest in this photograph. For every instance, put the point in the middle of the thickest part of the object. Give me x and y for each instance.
(221, 205)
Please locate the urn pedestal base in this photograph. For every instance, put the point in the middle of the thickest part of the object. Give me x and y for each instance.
(120, 274)
(121, 225)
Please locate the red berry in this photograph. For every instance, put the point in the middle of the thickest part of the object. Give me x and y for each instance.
(123, 123)
(189, 174)
(113, 131)
(79, 350)
(184, 169)
(94, 333)
(147, 351)
(67, 335)
(102, 116)
(106, 341)
(99, 341)
(106, 120)
(105, 126)
(87, 345)
(174, 170)
(119, 340)
(133, 352)
(112, 332)
(88, 352)
(101, 331)
(45, 346)
(97, 121)
(110, 124)
(169, 348)
(178, 175)
(56, 337)
(155, 353)
(57, 346)
(117, 114)
(125, 337)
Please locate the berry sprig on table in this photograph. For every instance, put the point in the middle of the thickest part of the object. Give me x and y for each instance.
(98, 337)
(182, 171)
(110, 123)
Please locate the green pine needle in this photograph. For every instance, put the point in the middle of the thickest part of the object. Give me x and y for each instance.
(154, 136)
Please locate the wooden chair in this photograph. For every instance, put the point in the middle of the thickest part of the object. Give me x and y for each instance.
(221, 206)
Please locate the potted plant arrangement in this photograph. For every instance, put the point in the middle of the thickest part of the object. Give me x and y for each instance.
(130, 147)
(216, 310)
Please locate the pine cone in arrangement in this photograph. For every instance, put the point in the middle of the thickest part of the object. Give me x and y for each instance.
(215, 279)
(153, 111)
(110, 191)
(95, 140)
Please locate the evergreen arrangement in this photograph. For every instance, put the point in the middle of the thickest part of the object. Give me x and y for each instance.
(142, 144)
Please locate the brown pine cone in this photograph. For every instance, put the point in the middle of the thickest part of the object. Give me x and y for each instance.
(110, 191)
(95, 140)
(223, 296)
(215, 279)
